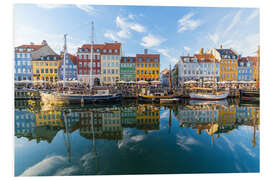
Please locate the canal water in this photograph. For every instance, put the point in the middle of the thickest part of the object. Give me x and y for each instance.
(136, 138)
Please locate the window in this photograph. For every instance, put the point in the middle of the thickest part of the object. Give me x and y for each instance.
(148, 59)
(157, 72)
(55, 70)
(138, 72)
(104, 71)
(110, 51)
(138, 65)
(142, 72)
(141, 65)
(46, 70)
(104, 50)
(140, 59)
(145, 65)
(42, 70)
(145, 72)
(116, 50)
(156, 59)
(149, 65)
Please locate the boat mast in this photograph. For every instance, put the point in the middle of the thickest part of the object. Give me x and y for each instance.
(91, 54)
(65, 49)
(214, 72)
(170, 81)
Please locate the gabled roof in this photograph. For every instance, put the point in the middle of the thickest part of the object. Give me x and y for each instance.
(30, 46)
(228, 52)
(71, 57)
(205, 58)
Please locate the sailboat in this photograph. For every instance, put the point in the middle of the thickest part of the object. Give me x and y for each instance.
(209, 94)
(100, 96)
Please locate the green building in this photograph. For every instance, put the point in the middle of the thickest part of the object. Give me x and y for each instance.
(128, 69)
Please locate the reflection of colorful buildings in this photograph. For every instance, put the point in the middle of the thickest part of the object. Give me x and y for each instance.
(112, 126)
(148, 117)
(24, 123)
(128, 116)
(49, 118)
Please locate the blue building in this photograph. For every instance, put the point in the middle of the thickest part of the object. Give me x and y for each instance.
(71, 68)
(23, 61)
(24, 55)
(25, 123)
(243, 114)
(245, 70)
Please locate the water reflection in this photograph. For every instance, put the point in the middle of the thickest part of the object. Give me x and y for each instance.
(114, 122)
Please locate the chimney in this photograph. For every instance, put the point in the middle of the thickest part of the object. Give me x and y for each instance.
(221, 46)
(115, 41)
(201, 51)
(145, 51)
(44, 42)
(31, 43)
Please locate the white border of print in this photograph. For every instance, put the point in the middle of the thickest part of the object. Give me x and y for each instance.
(7, 150)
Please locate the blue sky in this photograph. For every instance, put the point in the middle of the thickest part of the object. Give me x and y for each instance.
(170, 31)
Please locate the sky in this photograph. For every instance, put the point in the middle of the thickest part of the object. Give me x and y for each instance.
(169, 31)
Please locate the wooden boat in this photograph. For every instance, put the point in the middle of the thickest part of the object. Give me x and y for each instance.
(207, 94)
(164, 101)
(66, 98)
(250, 95)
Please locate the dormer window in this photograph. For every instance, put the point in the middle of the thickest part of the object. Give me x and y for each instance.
(20, 49)
(125, 59)
(48, 58)
(80, 50)
(110, 51)
(156, 59)
(140, 59)
(131, 59)
(55, 58)
(195, 60)
(148, 59)
(104, 50)
(116, 50)
(98, 50)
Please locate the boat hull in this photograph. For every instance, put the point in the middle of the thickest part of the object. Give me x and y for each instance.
(60, 98)
(208, 97)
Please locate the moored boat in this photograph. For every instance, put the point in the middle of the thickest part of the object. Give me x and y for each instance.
(207, 94)
(66, 98)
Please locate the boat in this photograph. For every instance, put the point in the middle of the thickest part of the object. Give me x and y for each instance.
(207, 94)
(59, 98)
(165, 101)
(147, 95)
(250, 95)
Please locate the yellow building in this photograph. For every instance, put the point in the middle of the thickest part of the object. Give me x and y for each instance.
(228, 59)
(227, 116)
(147, 67)
(148, 117)
(49, 118)
(46, 68)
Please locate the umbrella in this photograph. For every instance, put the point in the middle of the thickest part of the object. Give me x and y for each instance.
(155, 82)
(131, 81)
(142, 82)
(121, 82)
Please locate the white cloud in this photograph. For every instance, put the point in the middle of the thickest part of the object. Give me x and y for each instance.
(87, 8)
(137, 138)
(165, 52)
(214, 38)
(50, 6)
(254, 14)
(131, 16)
(110, 35)
(27, 34)
(137, 27)
(67, 171)
(46, 165)
(248, 150)
(187, 23)
(235, 21)
(186, 48)
(151, 41)
(185, 142)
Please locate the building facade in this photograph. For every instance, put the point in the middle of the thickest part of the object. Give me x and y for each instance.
(164, 77)
(46, 68)
(85, 73)
(228, 59)
(128, 69)
(110, 60)
(148, 67)
(24, 55)
(245, 70)
(70, 68)
(255, 67)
